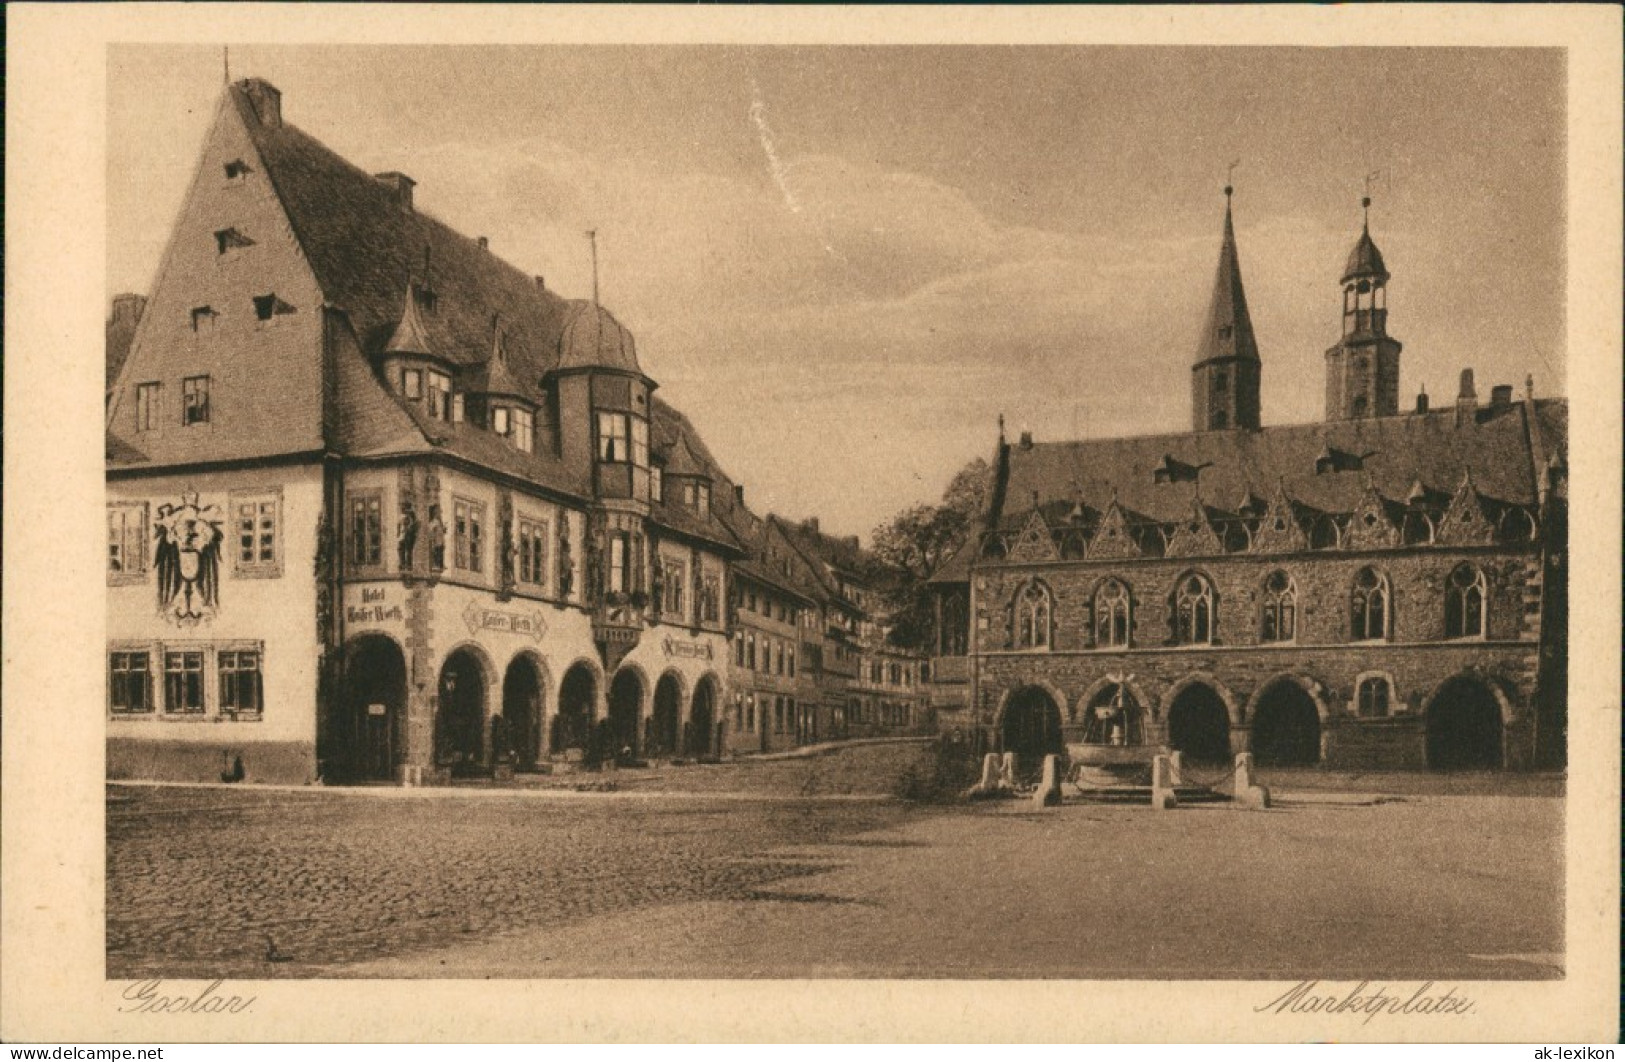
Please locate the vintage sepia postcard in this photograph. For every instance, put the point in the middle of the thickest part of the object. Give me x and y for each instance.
(867, 524)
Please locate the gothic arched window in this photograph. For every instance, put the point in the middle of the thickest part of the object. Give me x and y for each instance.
(1032, 617)
(1464, 596)
(1368, 619)
(1280, 621)
(1112, 606)
(1193, 610)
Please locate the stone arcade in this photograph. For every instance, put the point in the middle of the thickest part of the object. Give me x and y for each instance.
(1381, 589)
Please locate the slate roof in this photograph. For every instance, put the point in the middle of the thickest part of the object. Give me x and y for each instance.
(1396, 453)
(1365, 260)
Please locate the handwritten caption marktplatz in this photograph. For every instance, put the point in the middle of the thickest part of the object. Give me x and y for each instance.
(1301, 998)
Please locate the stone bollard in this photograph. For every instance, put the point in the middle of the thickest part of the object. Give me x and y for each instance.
(1049, 788)
(1176, 767)
(1162, 792)
(1007, 771)
(1249, 793)
(989, 782)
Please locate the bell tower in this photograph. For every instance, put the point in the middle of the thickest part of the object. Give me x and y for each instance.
(1362, 369)
(1224, 378)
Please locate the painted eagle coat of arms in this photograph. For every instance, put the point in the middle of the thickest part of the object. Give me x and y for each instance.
(189, 537)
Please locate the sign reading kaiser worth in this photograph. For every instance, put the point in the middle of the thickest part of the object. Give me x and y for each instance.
(528, 624)
(374, 606)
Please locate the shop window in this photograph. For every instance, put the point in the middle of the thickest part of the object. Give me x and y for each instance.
(195, 400)
(468, 535)
(1280, 617)
(1193, 611)
(532, 552)
(1464, 597)
(256, 520)
(146, 406)
(1111, 614)
(242, 690)
(129, 682)
(127, 539)
(183, 682)
(1368, 620)
(366, 530)
(1032, 618)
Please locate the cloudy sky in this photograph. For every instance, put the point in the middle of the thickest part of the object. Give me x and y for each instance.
(845, 263)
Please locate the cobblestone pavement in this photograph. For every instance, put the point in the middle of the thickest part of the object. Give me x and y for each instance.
(244, 883)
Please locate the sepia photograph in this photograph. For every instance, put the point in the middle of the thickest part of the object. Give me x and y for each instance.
(836, 512)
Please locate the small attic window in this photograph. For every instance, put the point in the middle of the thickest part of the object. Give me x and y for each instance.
(267, 307)
(230, 239)
(1225, 331)
(236, 170)
(425, 297)
(203, 319)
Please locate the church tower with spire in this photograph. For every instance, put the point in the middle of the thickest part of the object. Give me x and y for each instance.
(1362, 369)
(1225, 376)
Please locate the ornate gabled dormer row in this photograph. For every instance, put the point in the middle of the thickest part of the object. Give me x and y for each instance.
(1280, 524)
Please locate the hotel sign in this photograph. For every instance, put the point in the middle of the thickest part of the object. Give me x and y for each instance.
(374, 608)
(691, 650)
(528, 624)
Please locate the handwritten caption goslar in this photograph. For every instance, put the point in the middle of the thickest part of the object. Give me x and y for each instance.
(1302, 998)
(149, 997)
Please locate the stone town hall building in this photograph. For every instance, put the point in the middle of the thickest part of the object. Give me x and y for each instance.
(380, 506)
(1384, 588)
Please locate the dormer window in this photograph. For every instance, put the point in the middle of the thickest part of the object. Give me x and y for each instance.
(500, 420)
(226, 240)
(203, 319)
(236, 170)
(269, 307)
(439, 395)
(412, 383)
(195, 400)
(697, 496)
(524, 430)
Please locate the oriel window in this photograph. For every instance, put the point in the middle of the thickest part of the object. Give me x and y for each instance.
(614, 438)
(195, 400)
(469, 535)
(366, 530)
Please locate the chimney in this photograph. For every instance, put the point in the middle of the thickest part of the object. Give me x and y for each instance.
(541, 283)
(739, 494)
(265, 99)
(127, 308)
(1501, 396)
(1466, 398)
(401, 185)
(811, 524)
(1529, 387)
(485, 244)
(1026, 440)
(1422, 401)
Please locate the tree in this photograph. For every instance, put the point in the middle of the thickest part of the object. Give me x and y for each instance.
(921, 539)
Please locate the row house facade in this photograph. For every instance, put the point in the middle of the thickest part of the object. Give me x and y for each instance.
(1381, 589)
(383, 508)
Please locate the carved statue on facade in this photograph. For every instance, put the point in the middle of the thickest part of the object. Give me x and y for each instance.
(437, 540)
(406, 537)
(567, 564)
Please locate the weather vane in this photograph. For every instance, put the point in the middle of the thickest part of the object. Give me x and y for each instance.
(1229, 173)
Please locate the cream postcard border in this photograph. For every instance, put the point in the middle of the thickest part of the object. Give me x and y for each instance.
(52, 981)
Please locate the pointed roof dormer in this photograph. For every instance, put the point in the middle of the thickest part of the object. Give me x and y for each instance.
(410, 336)
(495, 377)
